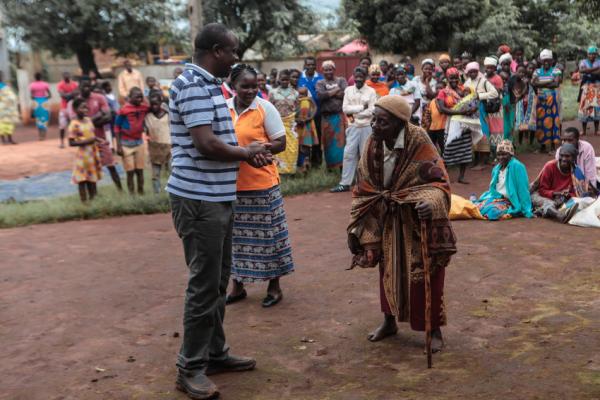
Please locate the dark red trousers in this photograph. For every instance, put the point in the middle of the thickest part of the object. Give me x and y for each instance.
(417, 301)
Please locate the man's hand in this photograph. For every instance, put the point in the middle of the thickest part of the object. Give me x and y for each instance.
(120, 150)
(259, 154)
(424, 210)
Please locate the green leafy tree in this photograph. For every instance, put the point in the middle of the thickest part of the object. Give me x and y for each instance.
(413, 25)
(503, 24)
(272, 26)
(79, 26)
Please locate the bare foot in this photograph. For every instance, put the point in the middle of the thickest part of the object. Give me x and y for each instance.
(478, 167)
(387, 328)
(437, 341)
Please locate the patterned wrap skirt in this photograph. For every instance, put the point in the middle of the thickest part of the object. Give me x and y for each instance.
(333, 136)
(589, 106)
(261, 245)
(41, 112)
(548, 116)
(494, 209)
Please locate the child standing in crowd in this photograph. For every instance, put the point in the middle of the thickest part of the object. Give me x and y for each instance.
(525, 102)
(114, 106)
(67, 90)
(159, 139)
(87, 168)
(152, 87)
(129, 127)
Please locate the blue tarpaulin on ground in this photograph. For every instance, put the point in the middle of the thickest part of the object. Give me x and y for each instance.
(54, 184)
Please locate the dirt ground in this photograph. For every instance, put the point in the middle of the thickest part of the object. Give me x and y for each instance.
(33, 157)
(92, 310)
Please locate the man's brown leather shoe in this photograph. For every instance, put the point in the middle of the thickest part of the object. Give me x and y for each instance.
(197, 386)
(230, 364)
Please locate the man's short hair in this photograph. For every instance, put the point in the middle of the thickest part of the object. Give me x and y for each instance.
(311, 58)
(573, 131)
(134, 90)
(213, 34)
(360, 70)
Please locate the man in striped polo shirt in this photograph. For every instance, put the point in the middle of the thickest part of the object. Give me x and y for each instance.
(202, 187)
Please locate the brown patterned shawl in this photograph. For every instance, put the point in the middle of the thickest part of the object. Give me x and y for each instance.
(386, 219)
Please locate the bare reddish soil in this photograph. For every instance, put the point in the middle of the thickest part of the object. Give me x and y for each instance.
(89, 310)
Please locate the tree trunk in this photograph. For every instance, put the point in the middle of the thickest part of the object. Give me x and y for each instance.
(85, 58)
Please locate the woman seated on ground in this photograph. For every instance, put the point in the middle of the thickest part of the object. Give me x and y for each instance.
(555, 191)
(508, 195)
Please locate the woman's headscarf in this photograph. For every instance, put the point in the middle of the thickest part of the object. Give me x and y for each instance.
(546, 54)
(427, 61)
(568, 148)
(505, 57)
(328, 63)
(452, 71)
(473, 65)
(374, 68)
(503, 49)
(490, 61)
(592, 50)
(444, 57)
(506, 146)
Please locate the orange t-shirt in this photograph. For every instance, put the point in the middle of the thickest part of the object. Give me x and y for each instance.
(381, 88)
(258, 123)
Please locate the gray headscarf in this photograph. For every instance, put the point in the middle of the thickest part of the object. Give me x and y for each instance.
(568, 148)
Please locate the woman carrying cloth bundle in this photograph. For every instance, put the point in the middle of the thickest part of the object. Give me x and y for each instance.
(457, 102)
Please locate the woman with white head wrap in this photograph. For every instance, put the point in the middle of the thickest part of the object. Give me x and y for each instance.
(547, 81)
(492, 120)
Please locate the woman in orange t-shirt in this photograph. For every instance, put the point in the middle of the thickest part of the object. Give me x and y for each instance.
(381, 88)
(261, 246)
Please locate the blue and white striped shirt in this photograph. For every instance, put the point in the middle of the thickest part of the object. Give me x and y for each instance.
(195, 99)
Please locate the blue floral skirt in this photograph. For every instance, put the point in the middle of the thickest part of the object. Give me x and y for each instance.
(261, 245)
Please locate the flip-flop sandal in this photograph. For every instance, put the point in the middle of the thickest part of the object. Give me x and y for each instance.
(233, 299)
(271, 300)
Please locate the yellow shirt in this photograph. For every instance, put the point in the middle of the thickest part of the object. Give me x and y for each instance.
(128, 80)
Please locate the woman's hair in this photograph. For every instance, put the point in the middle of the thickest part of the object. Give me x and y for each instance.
(284, 72)
(77, 103)
(366, 58)
(38, 76)
(240, 69)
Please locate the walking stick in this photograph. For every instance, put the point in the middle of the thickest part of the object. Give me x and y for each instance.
(427, 278)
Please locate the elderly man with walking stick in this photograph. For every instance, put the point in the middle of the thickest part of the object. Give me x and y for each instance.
(400, 221)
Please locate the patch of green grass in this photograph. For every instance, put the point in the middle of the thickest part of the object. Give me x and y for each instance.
(111, 203)
(569, 94)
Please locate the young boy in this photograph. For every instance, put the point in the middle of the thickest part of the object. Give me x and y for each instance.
(153, 87)
(129, 129)
(159, 139)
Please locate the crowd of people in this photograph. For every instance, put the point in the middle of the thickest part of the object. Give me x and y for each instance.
(393, 134)
(132, 123)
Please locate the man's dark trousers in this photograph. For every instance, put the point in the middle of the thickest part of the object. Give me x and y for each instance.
(205, 229)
